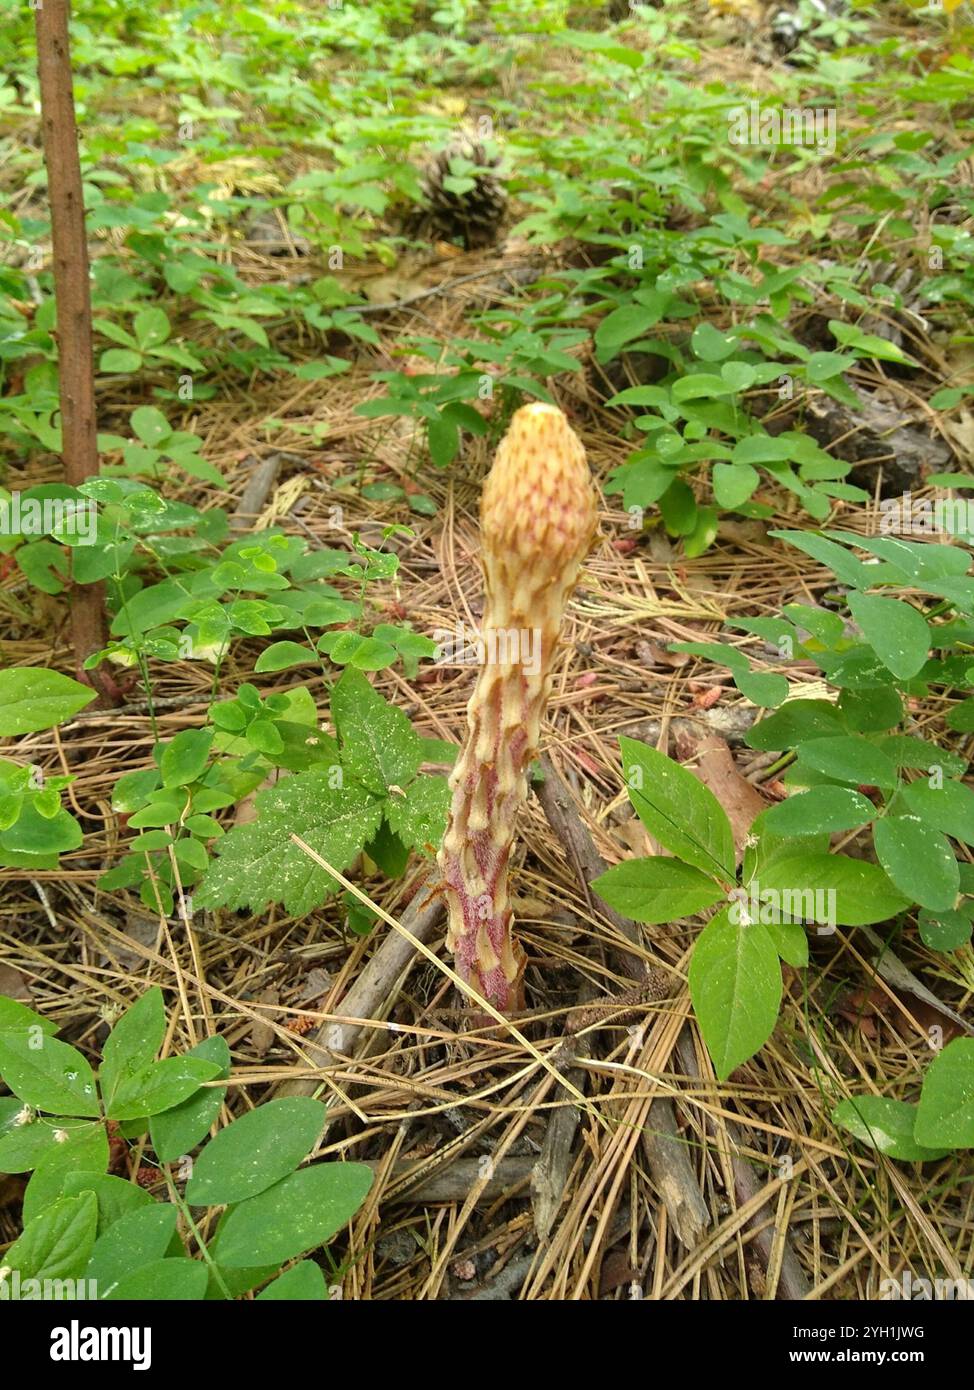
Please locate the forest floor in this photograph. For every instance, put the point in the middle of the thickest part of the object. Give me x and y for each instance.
(492, 1181)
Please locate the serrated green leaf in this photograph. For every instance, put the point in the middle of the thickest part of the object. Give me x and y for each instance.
(380, 749)
(259, 863)
(419, 816)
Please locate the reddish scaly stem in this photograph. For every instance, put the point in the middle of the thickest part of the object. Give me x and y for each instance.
(537, 521)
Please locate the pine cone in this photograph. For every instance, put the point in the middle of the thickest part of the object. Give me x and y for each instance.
(472, 217)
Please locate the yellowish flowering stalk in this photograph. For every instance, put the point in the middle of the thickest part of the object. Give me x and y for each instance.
(538, 517)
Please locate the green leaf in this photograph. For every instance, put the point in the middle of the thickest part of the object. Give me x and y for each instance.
(256, 1151)
(133, 1042)
(949, 808)
(302, 1283)
(56, 1244)
(379, 746)
(115, 1196)
(133, 789)
(281, 656)
(764, 688)
(918, 860)
(869, 344)
(849, 758)
(443, 438)
(160, 1086)
(908, 751)
(162, 808)
(119, 360)
(33, 699)
(734, 483)
(87, 1152)
(438, 752)
(897, 633)
(48, 1074)
(622, 326)
(855, 892)
(735, 986)
(15, 1017)
(264, 735)
(390, 854)
(139, 1238)
(710, 345)
(797, 721)
(944, 931)
(418, 818)
(846, 568)
(961, 716)
(150, 425)
(820, 809)
(23, 1146)
(871, 711)
(739, 376)
(790, 941)
(259, 863)
(945, 1115)
(184, 757)
(177, 1130)
(762, 448)
(297, 1214)
(885, 1125)
(33, 833)
(657, 890)
(162, 1281)
(151, 328)
(699, 385)
(44, 565)
(680, 811)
